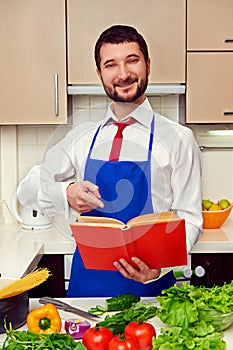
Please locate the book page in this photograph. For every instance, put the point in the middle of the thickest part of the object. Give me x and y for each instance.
(152, 218)
(99, 221)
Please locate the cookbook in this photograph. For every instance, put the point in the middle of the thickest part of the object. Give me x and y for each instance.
(159, 239)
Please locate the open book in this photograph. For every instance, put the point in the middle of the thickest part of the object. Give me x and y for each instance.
(158, 239)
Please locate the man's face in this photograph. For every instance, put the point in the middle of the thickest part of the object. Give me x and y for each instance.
(124, 72)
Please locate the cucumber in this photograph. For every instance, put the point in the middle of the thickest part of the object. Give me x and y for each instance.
(98, 310)
(118, 303)
(121, 302)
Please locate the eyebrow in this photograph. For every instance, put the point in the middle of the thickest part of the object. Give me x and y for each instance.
(129, 56)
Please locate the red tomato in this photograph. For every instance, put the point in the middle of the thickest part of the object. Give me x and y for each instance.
(123, 342)
(142, 332)
(96, 338)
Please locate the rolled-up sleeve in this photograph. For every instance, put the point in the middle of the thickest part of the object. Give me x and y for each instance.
(44, 187)
(187, 186)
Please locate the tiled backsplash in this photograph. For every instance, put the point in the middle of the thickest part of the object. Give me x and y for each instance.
(217, 163)
(32, 141)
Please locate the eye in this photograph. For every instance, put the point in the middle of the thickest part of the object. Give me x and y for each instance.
(109, 65)
(133, 60)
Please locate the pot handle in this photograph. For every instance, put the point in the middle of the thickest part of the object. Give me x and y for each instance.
(14, 202)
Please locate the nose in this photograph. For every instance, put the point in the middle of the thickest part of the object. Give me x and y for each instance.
(123, 72)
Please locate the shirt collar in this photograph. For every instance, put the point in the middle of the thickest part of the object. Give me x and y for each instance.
(143, 114)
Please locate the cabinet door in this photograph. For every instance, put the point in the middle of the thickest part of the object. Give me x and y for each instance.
(209, 87)
(54, 286)
(228, 268)
(213, 265)
(209, 25)
(32, 46)
(161, 22)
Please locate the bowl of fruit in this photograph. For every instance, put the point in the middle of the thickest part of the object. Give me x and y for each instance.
(215, 213)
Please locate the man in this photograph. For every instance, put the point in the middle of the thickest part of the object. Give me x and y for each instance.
(158, 168)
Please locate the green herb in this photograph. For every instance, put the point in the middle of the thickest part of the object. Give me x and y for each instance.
(27, 340)
(117, 303)
(139, 312)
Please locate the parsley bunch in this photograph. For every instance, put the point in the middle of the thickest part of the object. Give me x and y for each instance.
(27, 340)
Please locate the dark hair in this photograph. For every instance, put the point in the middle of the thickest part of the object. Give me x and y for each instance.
(118, 34)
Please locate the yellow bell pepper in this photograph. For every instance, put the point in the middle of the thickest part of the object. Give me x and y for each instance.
(45, 319)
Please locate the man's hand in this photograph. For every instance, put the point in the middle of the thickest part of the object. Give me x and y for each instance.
(141, 274)
(83, 196)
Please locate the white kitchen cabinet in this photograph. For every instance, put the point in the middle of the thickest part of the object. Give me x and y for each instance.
(33, 62)
(161, 22)
(209, 82)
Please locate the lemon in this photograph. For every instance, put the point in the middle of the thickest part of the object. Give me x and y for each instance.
(224, 203)
(206, 204)
(215, 207)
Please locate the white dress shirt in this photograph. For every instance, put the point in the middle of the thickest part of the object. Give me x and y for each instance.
(175, 166)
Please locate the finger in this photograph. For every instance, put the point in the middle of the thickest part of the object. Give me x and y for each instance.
(90, 187)
(141, 265)
(127, 270)
(84, 209)
(121, 269)
(92, 201)
(146, 270)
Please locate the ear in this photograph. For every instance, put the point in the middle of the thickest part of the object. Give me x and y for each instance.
(98, 73)
(148, 66)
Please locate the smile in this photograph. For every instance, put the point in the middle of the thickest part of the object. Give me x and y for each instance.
(126, 84)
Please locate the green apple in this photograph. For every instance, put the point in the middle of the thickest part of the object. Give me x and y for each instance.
(224, 203)
(206, 204)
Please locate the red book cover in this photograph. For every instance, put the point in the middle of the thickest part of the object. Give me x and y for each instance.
(161, 243)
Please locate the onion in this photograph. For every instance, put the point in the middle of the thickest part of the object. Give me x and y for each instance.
(75, 328)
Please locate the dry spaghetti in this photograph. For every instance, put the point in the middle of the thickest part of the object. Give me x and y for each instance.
(31, 280)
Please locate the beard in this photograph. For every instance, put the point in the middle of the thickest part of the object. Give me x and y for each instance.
(116, 97)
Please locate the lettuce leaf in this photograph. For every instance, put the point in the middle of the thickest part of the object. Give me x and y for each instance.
(200, 337)
(182, 306)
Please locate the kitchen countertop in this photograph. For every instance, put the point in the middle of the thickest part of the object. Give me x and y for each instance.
(216, 240)
(21, 249)
(86, 303)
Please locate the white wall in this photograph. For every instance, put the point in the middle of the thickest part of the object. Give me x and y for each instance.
(23, 146)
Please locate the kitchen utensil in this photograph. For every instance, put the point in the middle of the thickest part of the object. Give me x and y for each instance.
(14, 311)
(29, 218)
(66, 307)
(216, 218)
(25, 283)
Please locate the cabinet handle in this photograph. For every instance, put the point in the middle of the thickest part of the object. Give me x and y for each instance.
(228, 113)
(56, 94)
(228, 40)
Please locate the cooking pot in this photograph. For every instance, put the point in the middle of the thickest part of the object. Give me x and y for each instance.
(14, 309)
(29, 218)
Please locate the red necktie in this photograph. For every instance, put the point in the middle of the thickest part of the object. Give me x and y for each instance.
(117, 141)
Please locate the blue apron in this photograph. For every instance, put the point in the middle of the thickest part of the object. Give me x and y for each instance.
(125, 189)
